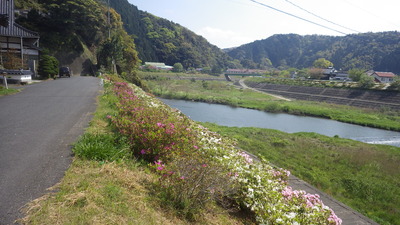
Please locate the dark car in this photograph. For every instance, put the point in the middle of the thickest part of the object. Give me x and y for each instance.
(65, 72)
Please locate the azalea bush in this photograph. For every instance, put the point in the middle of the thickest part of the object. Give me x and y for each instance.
(152, 130)
(197, 165)
(188, 183)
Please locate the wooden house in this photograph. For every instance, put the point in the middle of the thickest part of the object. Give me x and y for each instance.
(17, 41)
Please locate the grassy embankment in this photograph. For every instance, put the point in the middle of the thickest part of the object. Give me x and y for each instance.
(106, 185)
(365, 177)
(223, 92)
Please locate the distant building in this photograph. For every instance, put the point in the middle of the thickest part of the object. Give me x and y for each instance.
(333, 74)
(158, 66)
(384, 77)
(17, 40)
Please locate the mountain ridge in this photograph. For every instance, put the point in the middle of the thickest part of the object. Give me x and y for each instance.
(377, 51)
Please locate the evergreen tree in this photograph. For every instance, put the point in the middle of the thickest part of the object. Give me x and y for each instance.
(48, 66)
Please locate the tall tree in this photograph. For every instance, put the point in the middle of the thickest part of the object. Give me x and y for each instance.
(322, 63)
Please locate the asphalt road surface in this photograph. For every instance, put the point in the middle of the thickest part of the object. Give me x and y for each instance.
(37, 128)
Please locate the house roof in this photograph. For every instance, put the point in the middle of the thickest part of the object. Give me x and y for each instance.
(16, 30)
(385, 74)
(13, 29)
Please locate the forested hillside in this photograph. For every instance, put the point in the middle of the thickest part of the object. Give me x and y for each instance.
(378, 51)
(78, 34)
(160, 40)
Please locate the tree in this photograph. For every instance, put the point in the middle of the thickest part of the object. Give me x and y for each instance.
(366, 81)
(316, 73)
(48, 66)
(178, 67)
(395, 85)
(322, 63)
(12, 60)
(216, 70)
(356, 74)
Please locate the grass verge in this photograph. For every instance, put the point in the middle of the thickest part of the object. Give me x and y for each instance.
(10, 91)
(365, 177)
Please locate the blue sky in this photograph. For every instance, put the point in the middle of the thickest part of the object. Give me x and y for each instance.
(231, 23)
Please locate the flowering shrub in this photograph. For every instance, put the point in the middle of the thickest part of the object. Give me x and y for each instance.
(189, 182)
(197, 165)
(152, 131)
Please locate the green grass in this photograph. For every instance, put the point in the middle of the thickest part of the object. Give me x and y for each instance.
(10, 91)
(223, 92)
(365, 177)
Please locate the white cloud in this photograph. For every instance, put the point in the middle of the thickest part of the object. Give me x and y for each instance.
(223, 38)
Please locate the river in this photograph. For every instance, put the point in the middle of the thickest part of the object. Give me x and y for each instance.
(241, 117)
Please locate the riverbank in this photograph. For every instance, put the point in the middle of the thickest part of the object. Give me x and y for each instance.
(223, 92)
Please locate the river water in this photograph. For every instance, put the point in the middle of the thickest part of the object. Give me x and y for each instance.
(241, 117)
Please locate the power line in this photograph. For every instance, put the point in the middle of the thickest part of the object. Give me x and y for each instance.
(297, 17)
(371, 13)
(321, 17)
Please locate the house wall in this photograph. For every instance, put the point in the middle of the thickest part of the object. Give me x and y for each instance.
(383, 79)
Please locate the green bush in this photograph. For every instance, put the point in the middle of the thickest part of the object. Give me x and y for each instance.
(48, 66)
(395, 85)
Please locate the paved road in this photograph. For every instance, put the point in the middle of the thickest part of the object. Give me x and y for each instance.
(37, 128)
(241, 82)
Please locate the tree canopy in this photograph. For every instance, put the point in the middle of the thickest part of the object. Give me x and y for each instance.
(322, 63)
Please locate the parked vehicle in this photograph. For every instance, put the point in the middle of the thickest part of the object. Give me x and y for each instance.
(65, 72)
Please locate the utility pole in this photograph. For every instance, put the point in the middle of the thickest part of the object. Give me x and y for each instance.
(113, 67)
(109, 19)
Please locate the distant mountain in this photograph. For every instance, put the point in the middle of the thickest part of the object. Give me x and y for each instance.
(378, 51)
(160, 40)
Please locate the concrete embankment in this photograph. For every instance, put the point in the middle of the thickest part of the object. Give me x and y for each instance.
(352, 97)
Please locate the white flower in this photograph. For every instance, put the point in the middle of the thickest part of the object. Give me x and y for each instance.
(291, 215)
